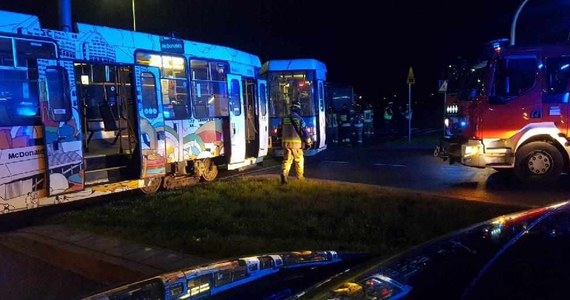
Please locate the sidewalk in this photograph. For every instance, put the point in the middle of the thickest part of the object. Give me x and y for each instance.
(106, 260)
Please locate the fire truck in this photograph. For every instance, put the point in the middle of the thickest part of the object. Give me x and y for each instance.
(509, 110)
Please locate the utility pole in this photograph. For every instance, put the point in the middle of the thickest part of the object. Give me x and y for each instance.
(134, 16)
(65, 15)
(514, 24)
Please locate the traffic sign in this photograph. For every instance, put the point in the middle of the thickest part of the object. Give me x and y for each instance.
(411, 78)
(443, 86)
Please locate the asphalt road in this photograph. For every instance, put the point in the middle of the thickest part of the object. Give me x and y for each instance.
(417, 169)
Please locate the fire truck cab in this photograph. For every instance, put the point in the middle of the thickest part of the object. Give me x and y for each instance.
(509, 110)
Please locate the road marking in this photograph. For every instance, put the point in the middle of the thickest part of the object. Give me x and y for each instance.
(335, 161)
(390, 165)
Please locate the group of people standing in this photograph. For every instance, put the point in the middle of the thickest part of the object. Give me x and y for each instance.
(346, 126)
(350, 125)
(396, 121)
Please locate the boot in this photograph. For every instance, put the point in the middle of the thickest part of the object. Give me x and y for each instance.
(284, 179)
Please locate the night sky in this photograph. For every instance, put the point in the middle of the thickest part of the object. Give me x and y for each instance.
(367, 44)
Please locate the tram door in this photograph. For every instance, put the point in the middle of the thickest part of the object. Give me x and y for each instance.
(263, 118)
(237, 120)
(152, 138)
(63, 135)
(321, 115)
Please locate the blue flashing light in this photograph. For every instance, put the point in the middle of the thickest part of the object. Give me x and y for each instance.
(463, 123)
(540, 66)
(564, 66)
(166, 114)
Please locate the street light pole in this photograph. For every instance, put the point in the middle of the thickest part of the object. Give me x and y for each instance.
(134, 16)
(514, 24)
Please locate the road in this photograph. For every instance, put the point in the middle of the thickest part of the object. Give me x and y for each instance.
(417, 169)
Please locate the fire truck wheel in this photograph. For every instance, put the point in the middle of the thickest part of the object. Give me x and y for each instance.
(538, 162)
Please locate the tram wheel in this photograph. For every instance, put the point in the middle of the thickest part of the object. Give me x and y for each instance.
(209, 170)
(151, 185)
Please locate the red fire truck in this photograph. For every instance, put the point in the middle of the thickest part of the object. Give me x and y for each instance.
(509, 110)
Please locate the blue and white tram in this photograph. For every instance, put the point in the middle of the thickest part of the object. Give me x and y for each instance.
(104, 110)
(214, 279)
(302, 80)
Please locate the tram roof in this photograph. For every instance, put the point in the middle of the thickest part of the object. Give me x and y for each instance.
(299, 64)
(140, 40)
(124, 42)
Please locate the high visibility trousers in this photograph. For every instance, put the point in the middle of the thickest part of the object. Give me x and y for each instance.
(291, 156)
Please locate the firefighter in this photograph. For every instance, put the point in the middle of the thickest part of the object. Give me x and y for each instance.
(345, 126)
(368, 119)
(295, 133)
(388, 118)
(358, 124)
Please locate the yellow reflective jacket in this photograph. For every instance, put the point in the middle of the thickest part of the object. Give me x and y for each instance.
(290, 137)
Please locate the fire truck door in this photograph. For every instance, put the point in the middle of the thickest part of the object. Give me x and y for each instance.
(556, 91)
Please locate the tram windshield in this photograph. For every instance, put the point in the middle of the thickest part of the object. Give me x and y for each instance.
(287, 87)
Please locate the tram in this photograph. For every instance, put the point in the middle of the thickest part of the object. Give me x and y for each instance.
(102, 110)
(296, 80)
(218, 279)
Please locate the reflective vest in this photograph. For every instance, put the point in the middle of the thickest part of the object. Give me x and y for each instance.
(388, 113)
(289, 134)
(368, 115)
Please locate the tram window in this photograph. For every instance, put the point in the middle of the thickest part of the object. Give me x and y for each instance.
(235, 97)
(173, 67)
(199, 286)
(305, 96)
(209, 92)
(263, 99)
(199, 70)
(26, 49)
(58, 94)
(266, 262)
(149, 97)
(174, 99)
(6, 52)
(218, 71)
(19, 104)
(102, 73)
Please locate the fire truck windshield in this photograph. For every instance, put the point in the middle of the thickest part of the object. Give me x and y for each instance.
(467, 82)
